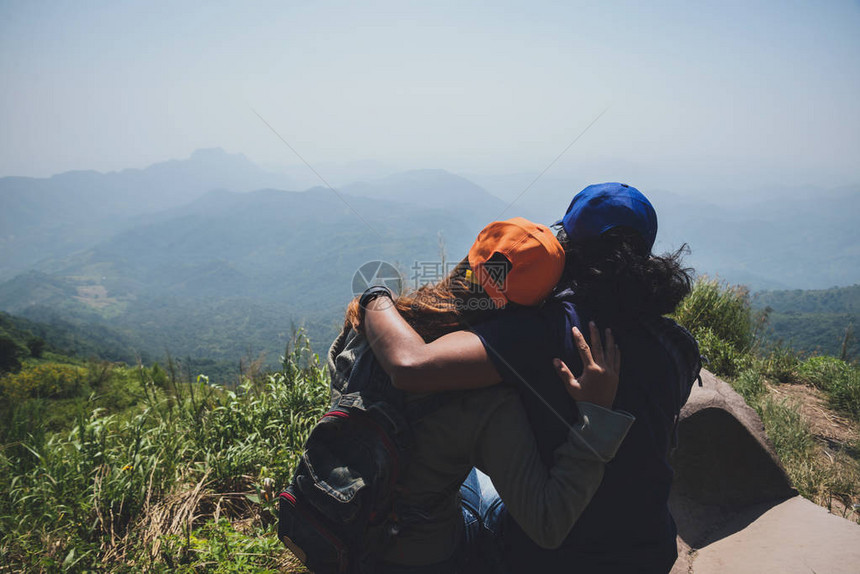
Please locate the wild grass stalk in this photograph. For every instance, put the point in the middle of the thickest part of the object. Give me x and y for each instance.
(120, 491)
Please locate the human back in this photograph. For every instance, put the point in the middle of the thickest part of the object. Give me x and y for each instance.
(611, 277)
(485, 428)
(627, 526)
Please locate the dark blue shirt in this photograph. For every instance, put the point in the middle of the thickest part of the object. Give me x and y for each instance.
(627, 525)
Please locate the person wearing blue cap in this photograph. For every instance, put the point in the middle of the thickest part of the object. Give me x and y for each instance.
(606, 206)
(610, 278)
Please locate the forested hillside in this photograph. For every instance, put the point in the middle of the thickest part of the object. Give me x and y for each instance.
(67, 338)
(191, 257)
(232, 273)
(815, 321)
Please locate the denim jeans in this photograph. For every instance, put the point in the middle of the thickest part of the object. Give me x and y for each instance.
(481, 500)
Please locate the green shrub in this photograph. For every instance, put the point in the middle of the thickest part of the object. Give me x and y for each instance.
(217, 546)
(782, 364)
(844, 394)
(820, 372)
(45, 380)
(720, 318)
(722, 309)
(721, 356)
(159, 377)
(11, 352)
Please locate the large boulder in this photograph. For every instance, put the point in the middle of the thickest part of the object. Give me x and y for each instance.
(724, 462)
(733, 502)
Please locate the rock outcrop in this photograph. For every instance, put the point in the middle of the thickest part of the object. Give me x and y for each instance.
(734, 504)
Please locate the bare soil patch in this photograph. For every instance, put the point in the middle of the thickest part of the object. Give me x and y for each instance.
(825, 424)
(838, 440)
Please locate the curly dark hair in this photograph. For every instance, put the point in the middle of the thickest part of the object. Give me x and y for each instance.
(615, 275)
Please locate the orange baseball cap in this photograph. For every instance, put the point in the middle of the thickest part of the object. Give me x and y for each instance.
(535, 261)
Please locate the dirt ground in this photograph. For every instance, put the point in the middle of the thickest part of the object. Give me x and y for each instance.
(824, 423)
(838, 438)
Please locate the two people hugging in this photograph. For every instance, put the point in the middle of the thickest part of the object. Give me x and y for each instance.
(541, 394)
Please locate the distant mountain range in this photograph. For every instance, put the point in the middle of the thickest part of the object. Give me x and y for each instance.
(49, 218)
(775, 238)
(209, 256)
(220, 273)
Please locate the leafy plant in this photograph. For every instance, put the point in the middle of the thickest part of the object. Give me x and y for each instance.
(723, 309)
(781, 364)
(50, 380)
(189, 459)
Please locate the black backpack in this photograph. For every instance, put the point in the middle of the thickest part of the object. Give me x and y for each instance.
(684, 352)
(341, 510)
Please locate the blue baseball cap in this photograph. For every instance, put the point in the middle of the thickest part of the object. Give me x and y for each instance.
(604, 206)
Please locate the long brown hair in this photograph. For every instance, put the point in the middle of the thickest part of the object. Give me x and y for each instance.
(436, 309)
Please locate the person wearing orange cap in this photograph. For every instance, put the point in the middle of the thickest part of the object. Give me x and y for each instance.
(512, 264)
(612, 278)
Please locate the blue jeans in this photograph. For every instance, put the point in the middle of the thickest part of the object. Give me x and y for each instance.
(482, 503)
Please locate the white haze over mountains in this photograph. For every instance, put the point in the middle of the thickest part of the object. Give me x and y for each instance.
(801, 237)
(692, 97)
(211, 255)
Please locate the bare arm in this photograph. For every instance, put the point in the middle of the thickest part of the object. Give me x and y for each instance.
(455, 361)
(459, 360)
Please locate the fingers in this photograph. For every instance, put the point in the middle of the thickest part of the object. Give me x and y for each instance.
(595, 354)
(596, 345)
(610, 348)
(601, 367)
(613, 353)
(582, 347)
(562, 370)
(564, 374)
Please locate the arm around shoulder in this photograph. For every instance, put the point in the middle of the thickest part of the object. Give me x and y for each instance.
(455, 361)
(546, 503)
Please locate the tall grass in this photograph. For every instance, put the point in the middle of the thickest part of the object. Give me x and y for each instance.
(839, 380)
(160, 472)
(151, 488)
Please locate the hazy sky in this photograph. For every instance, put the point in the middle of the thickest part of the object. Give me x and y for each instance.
(743, 92)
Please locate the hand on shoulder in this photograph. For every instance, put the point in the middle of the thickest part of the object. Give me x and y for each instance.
(598, 382)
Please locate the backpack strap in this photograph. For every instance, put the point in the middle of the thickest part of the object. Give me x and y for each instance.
(684, 352)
